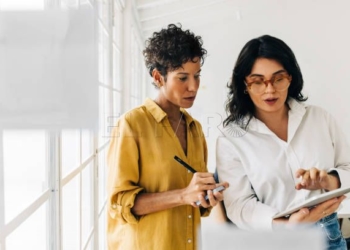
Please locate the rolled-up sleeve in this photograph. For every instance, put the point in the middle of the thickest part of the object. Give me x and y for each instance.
(241, 203)
(123, 172)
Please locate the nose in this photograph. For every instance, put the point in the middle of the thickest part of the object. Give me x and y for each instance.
(269, 88)
(193, 85)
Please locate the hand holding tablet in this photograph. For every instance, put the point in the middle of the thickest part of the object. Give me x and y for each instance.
(313, 201)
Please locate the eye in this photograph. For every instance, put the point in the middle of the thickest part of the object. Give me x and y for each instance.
(279, 78)
(258, 81)
(183, 79)
(197, 76)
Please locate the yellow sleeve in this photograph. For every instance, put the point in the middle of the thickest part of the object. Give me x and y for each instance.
(204, 211)
(123, 172)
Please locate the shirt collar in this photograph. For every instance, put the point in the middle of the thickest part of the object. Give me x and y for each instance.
(295, 113)
(159, 113)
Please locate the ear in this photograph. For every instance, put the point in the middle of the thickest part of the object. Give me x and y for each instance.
(157, 78)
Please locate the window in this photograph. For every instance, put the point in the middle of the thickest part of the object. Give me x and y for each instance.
(55, 181)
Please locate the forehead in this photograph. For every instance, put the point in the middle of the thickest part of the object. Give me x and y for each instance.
(188, 67)
(265, 67)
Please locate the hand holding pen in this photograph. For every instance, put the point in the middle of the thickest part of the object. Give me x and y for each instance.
(202, 189)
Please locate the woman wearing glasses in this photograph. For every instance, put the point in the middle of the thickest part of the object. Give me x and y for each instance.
(275, 150)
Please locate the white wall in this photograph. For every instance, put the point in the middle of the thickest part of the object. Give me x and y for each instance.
(317, 32)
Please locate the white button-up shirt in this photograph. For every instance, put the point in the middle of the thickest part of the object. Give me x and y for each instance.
(260, 167)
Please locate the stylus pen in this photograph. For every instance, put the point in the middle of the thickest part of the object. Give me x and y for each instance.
(184, 164)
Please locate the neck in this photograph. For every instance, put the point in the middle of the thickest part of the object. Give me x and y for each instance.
(273, 117)
(169, 108)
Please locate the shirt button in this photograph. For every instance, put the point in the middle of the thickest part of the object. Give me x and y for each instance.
(190, 216)
(189, 241)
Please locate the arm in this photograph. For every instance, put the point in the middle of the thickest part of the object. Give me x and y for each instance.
(341, 152)
(242, 205)
(126, 199)
(153, 202)
(339, 173)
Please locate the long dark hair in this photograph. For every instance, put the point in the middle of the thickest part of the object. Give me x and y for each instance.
(239, 105)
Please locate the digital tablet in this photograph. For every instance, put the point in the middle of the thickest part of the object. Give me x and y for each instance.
(313, 201)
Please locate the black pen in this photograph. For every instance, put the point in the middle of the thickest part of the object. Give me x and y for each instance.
(184, 164)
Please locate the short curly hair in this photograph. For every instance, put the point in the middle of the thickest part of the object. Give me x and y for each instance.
(170, 48)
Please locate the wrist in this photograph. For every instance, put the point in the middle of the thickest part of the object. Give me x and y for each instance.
(334, 182)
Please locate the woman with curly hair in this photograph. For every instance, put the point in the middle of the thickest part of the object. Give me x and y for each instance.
(151, 197)
(286, 151)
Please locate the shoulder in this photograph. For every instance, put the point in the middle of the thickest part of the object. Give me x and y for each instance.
(315, 114)
(317, 111)
(307, 109)
(134, 115)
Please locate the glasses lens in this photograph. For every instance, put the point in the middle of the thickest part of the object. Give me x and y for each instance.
(258, 86)
(280, 82)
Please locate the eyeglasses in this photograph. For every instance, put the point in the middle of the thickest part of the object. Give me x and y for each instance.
(279, 82)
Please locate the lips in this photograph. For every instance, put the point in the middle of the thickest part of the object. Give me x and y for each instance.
(190, 98)
(271, 100)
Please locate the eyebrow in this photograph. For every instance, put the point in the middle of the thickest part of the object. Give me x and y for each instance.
(277, 72)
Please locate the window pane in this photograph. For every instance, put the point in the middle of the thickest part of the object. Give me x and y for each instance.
(117, 112)
(102, 178)
(116, 69)
(103, 52)
(87, 201)
(70, 148)
(118, 25)
(101, 123)
(24, 169)
(22, 4)
(103, 10)
(87, 144)
(32, 234)
(101, 232)
(90, 245)
(101, 63)
(70, 215)
(107, 113)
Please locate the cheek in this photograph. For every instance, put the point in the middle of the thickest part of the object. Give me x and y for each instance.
(255, 99)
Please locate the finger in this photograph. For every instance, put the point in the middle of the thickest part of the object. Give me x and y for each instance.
(332, 208)
(305, 181)
(225, 184)
(218, 196)
(203, 174)
(212, 198)
(323, 175)
(208, 186)
(205, 180)
(326, 205)
(299, 172)
(298, 186)
(299, 216)
(202, 201)
(314, 172)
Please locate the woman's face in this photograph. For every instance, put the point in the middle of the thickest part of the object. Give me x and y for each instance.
(271, 100)
(181, 85)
